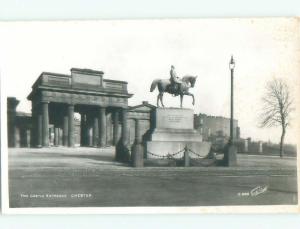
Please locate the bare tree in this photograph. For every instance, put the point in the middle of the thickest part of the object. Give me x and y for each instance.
(277, 107)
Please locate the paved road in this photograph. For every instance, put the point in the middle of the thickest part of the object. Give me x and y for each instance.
(89, 177)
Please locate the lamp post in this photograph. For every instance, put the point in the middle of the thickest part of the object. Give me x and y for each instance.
(231, 67)
(230, 153)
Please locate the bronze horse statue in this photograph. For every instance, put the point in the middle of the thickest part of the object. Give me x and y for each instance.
(164, 85)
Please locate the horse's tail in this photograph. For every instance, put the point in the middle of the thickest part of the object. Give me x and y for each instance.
(153, 85)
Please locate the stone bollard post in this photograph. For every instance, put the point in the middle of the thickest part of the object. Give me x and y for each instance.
(186, 157)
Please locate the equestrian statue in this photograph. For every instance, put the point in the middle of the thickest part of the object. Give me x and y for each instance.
(174, 86)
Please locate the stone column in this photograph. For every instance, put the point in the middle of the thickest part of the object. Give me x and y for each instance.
(45, 124)
(12, 104)
(102, 127)
(51, 135)
(90, 136)
(115, 127)
(12, 137)
(89, 130)
(39, 129)
(122, 147)
(65, 130)
(124, 127)
(28, 138)
(83, 129)
(138, 137)
(71, 139)
(18, 137)
(33, 128)
(95, 131)
(56, 136)
(137, 157)
(60, 134)
(109, 128)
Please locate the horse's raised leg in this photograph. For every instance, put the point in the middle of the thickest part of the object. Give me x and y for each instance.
(190, 94)
(193, 99)
(161, 99)
(158, 96)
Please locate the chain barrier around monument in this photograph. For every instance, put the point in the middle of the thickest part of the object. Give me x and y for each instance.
(186, 153)
(193, 152)
(167, 155)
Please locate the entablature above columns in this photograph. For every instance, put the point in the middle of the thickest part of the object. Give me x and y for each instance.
(82, 99)
(139, 115)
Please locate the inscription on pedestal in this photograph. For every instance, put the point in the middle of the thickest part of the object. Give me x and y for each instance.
(174, 118)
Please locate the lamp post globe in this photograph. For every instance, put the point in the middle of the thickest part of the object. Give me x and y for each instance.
(231, 63)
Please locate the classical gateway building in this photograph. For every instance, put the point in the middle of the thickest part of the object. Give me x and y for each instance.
(80, 109)
(55, 98)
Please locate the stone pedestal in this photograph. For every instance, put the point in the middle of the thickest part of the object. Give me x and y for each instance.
(173, 131)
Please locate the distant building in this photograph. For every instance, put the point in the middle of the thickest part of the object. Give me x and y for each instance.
(215, 126)
(216, 129)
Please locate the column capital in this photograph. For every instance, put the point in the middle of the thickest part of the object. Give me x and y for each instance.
(45, 102)
(70, 107)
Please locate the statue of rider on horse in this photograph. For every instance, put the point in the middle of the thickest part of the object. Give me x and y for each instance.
(175, 81)
(174, 86)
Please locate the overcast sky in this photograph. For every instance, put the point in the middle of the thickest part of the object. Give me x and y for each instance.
(141, 51)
